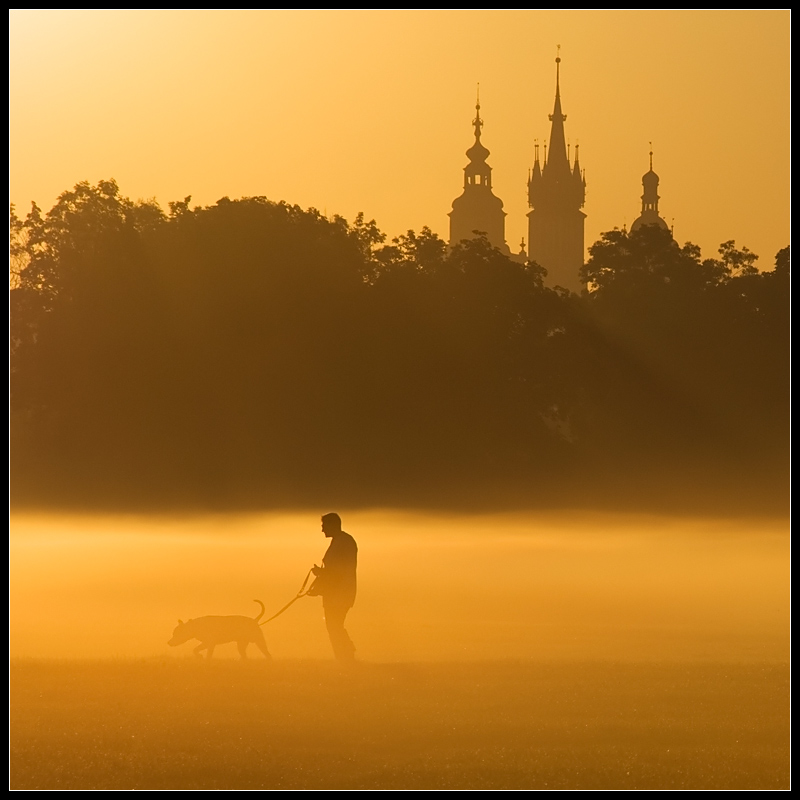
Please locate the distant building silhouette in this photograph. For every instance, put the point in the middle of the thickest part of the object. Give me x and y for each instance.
(649, 215)
(477, 208)
(556, 194)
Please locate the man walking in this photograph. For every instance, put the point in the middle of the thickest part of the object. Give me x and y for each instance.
(336, 582)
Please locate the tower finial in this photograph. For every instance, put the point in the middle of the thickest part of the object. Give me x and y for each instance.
(558, 69)
(478, 122)
(651, 156)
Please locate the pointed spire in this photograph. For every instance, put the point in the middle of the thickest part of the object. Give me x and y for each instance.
(478, 122)
(558, 145)
(558, 72)
(534, 176)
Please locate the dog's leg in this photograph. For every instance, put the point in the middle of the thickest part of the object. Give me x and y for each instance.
(197, 650)
(262, 646)
(210, 650)
(242, 649)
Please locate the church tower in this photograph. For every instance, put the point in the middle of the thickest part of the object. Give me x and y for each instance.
(649, 215)
(556, 193)
(477, 208)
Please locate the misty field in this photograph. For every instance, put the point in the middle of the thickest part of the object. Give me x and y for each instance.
(517, 651)
(306, 724)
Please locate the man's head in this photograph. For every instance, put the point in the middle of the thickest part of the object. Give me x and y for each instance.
(331, 524)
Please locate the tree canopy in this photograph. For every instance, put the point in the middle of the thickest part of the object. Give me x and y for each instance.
(252, 353)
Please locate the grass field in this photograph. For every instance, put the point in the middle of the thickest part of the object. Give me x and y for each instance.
(308, 724)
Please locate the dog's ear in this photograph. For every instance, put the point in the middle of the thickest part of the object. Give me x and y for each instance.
(180, 622)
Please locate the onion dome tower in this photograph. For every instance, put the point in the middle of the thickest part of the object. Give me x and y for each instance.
(649, 215)
(556, 193)
(477, 208)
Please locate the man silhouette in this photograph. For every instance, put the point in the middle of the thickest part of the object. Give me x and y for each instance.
(336, 582)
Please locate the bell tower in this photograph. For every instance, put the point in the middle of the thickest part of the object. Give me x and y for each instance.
(477, 208)
(650, 198)
(556, 193)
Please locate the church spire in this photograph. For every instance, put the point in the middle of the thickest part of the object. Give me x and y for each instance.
(478, 122)
(558, 146)
(478, 209)
(478, 171)
(650, 198)
(556, 193)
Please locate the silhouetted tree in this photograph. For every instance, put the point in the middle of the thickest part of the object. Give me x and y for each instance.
(252, 352)
(682, 367)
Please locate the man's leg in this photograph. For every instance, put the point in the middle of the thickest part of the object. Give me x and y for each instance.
(342, 644)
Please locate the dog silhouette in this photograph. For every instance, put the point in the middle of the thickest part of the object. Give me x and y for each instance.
(211, 631)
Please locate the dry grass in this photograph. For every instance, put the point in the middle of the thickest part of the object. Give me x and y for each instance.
(185, 724)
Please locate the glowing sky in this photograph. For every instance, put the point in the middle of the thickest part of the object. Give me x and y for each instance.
(349, 111)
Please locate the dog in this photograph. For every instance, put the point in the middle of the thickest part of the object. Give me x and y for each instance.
(212, 631)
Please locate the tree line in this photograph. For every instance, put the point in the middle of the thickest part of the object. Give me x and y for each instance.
(251, 354)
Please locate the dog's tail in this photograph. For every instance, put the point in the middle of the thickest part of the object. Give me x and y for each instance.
(262, 610)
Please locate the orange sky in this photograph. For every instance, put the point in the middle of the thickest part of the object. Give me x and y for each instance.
(349, 110)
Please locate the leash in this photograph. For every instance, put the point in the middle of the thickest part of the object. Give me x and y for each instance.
(301, 593)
